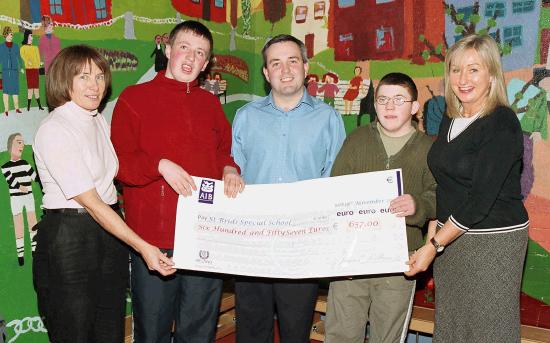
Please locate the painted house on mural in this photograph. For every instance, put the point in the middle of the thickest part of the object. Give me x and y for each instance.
(310, 24)
(212, 10)
(517, 20)
(382, 30)
(77, 11)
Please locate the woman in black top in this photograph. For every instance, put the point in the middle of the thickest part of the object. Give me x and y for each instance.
(482, 223)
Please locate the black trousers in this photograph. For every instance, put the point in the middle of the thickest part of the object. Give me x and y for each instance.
(190, 299)
(80, 274)
(258, 299)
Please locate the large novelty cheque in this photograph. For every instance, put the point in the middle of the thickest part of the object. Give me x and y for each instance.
(316, 228)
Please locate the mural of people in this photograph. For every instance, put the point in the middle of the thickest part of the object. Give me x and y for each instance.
(9, 58)
(31, 57)
(216, 83)
(353, 90)
(19, 175)
(160, 58)
(329, 89)
(434, 109)
(49, 44)
(312, 84)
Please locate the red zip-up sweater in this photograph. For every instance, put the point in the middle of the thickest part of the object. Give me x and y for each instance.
(178, 121)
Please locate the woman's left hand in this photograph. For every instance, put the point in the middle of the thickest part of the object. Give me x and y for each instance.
(233, 183)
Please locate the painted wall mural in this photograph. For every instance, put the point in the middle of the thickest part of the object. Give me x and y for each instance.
(351, 44)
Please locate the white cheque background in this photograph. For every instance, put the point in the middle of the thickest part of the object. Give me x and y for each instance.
(326, 227)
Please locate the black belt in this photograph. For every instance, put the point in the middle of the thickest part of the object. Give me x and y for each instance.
(115, 207)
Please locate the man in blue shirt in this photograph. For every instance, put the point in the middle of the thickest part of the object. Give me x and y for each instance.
(286, 136)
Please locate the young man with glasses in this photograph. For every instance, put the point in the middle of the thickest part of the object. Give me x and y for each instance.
(391, 141)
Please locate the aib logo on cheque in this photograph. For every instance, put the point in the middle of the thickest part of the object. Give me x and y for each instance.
(206, 194)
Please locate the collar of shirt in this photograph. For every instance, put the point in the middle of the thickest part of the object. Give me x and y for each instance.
(175, 85)
(75, 110)
(306, 99)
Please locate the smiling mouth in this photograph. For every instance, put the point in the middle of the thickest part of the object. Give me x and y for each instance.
(93, 97)
(287, 79)
(186, 68)
(466, 89)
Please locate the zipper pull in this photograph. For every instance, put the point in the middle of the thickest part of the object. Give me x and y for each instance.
(387, 163)
(161, 190)
(188, 91)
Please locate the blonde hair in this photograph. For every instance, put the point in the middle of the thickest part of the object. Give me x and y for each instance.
(488, 51)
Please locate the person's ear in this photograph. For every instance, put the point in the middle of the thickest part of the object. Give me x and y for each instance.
(415, 107)
(266, 74)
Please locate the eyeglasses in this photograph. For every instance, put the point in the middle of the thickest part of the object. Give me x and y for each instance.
(397, 101)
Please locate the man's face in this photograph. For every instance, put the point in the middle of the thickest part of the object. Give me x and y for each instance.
(17, 147)
(187, 57)
(285, 69)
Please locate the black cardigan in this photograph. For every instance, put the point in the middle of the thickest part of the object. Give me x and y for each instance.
(478, 174)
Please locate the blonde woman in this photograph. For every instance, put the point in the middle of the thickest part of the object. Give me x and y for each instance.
(481, 239)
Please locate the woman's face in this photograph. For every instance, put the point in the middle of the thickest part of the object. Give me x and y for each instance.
(29, 39)
(470, 81)
(88, 87)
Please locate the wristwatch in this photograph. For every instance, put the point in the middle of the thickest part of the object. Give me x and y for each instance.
(438, 247)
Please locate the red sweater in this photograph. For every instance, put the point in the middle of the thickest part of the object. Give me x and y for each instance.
(167, 119)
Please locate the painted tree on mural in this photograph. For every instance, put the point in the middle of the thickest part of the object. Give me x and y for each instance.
(246, 16)
(464, 26)
(233, 22)
(274, 10)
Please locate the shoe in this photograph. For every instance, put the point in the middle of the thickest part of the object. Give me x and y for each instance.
(6, 113)
(21, 261)
(41, 108)
(18, 110)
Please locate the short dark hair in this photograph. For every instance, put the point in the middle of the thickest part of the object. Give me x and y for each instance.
(68, 63)
(281, 39)
(399, 79)
(196, 28)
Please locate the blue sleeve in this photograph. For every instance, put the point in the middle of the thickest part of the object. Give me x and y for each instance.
(337, 136)
(237, 139)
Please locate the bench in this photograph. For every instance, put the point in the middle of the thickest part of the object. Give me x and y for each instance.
(422, 321)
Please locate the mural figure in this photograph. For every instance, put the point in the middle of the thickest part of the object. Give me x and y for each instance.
(531, 108)
(31, 57)
(160, 58)
(9, 58)
(434, 109)
(312, 84)
(212, 84)
(19, 175)
(329, 89)
(49, 44)
(353, 90)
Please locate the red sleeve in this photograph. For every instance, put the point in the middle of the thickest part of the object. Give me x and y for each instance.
(224, 146)
(136, 167)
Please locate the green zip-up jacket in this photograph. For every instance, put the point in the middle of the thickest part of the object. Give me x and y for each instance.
(363, 151)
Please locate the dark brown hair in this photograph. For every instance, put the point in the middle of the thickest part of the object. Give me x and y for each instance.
(399, 79)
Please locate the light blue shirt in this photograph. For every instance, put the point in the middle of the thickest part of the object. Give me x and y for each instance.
(274, 146)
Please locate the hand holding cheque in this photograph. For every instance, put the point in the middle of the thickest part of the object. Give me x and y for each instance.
(335, 226)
